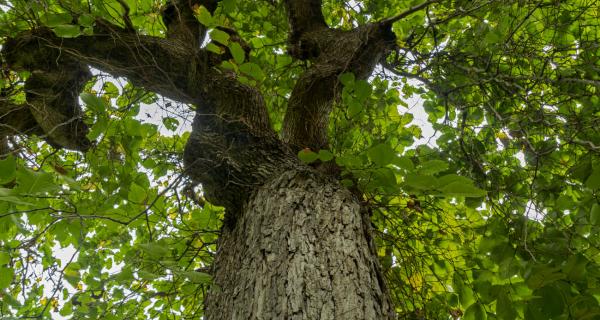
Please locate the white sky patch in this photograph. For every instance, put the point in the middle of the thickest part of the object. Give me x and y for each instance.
(420, 119)
(533, 212)
(521, 157)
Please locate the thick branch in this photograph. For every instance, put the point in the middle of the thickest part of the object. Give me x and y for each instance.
(17, 119)
(52, 108)
(53, 101)
(356, 51)
(232, 148)
(304, 16)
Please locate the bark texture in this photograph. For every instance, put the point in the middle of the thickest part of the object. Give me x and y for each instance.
(301, 250)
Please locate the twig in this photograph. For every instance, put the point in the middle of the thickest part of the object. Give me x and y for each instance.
(408, 12)
(126, 19)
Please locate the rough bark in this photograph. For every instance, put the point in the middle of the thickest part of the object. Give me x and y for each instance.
(332, 52)
(52, 90)
(301, 250)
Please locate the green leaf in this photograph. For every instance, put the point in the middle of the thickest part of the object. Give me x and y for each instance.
(307, 156)
(67, 31)
(382, 154)
(595, 214)
(229, 6)
(220, 36)
(476, 311)
(57, 19)
(593, 181)
(461, 189)
(237, 52)
(8, 169)
(253, 70)
(67, 309)
(4, 258)
(6, 277)
(110, 89)
(404, 163)
(145, 275)
(384, 178)
(155, 250)
(549, 303)
(35, 182)
(581, 170)
(505, 309)
(137, 194)
(347, 79)
(170, 123)
(325, 155)
(94, 102)
(198, 277)
(450, 178)
(125, 276)
(12, 196)
(433, 166)
(362, 90)
(214, 48)
(354, 108)
(543, 276)
(419, 181)
(86, 20)
(204, 16)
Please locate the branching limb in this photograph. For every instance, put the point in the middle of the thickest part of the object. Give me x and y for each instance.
(356, 51)
(52, 110)
(232, 148)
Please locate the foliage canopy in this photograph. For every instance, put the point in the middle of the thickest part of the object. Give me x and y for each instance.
(495, 216)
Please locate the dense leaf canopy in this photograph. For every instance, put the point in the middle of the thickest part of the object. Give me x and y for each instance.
(494, 215)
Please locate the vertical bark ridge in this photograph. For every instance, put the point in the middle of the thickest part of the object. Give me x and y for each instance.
(298, 252)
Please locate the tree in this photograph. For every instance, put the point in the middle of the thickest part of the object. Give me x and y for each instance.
(300, 191)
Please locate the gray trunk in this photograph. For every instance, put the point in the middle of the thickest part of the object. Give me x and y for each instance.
(300, 250)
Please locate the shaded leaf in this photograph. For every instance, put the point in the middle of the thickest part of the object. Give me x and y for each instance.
(381, 154)
(67, 31)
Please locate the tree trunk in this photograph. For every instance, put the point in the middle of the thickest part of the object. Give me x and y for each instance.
(301, 249)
